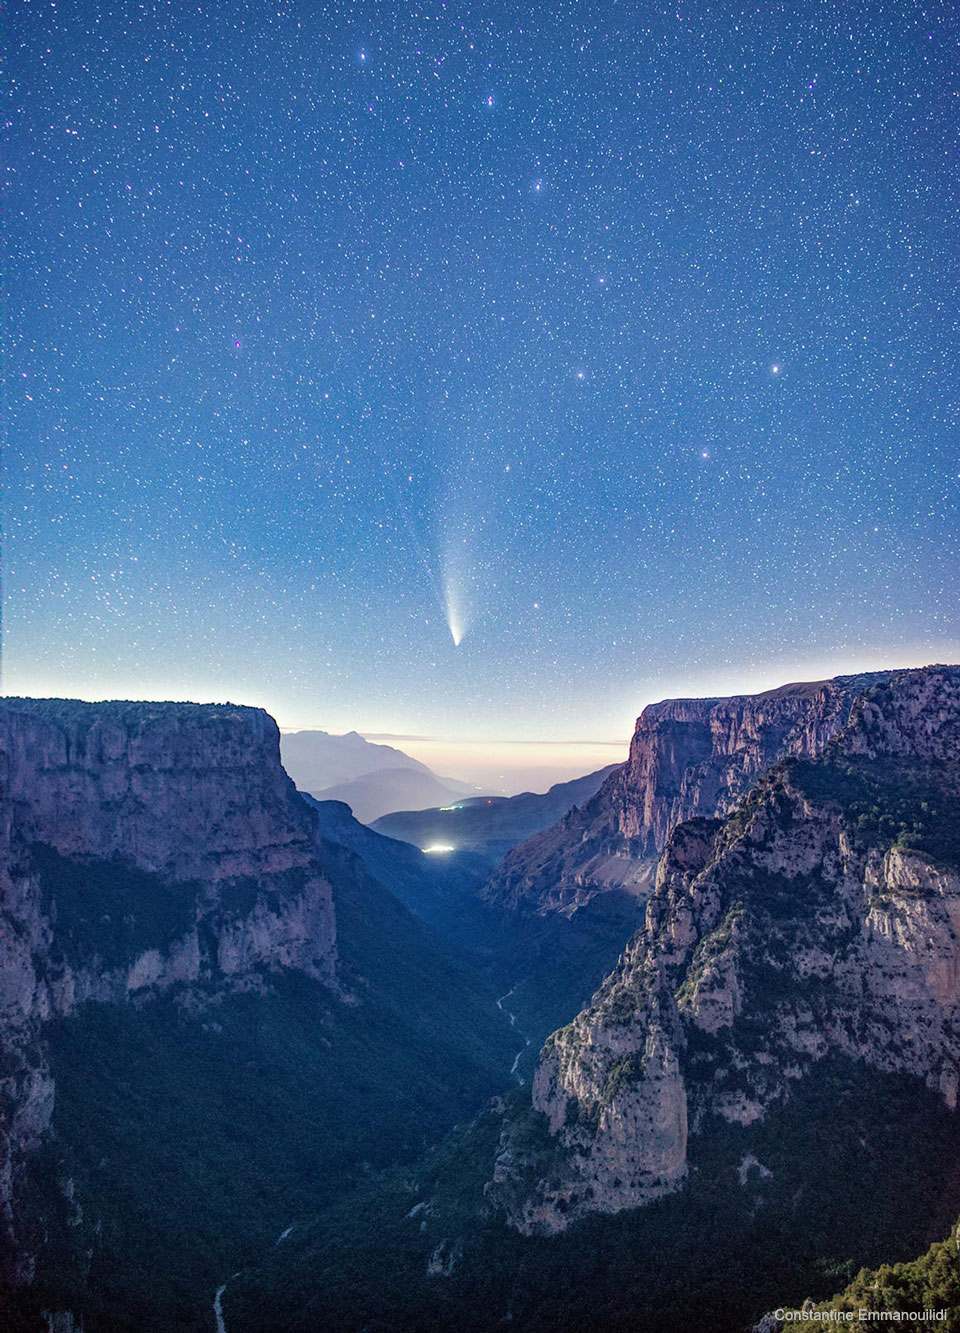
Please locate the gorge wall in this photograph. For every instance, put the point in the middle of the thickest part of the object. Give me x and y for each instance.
(821, 916)
(688, 757)
(142, 847)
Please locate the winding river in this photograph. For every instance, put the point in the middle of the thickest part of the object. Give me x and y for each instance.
(218, 1298)
(501, 1005)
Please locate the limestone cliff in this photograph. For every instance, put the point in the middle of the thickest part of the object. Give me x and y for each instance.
(142, 847)
(688, 757)
(822, 916)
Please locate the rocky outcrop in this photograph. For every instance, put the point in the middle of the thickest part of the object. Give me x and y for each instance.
(821, 917)
(143, 847)
(444, 1259)
(688, 757)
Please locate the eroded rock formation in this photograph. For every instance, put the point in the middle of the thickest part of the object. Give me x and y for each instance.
(143, 847)
(822, 916)
(688, 757)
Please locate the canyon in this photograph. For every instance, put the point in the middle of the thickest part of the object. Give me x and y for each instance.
(286, 1021)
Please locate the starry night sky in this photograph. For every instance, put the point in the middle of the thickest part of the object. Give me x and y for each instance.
(618, 340)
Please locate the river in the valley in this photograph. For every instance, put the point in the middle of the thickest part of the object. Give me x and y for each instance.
(502, 1006)
(218, 1298)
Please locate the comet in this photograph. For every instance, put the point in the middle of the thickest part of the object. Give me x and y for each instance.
(447, 580)
(454, 616)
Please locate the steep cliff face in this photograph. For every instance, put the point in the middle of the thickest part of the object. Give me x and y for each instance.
(142, 847)
(821, 917)
(688, 757)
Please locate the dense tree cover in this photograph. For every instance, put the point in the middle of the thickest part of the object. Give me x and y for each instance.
(930, 1283)
(888, 802)
(862, 1167)
(190, 1130)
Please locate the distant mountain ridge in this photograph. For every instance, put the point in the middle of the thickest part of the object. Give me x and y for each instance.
(372, 795)
(372, 779)
(319, 760)
(491, 825)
